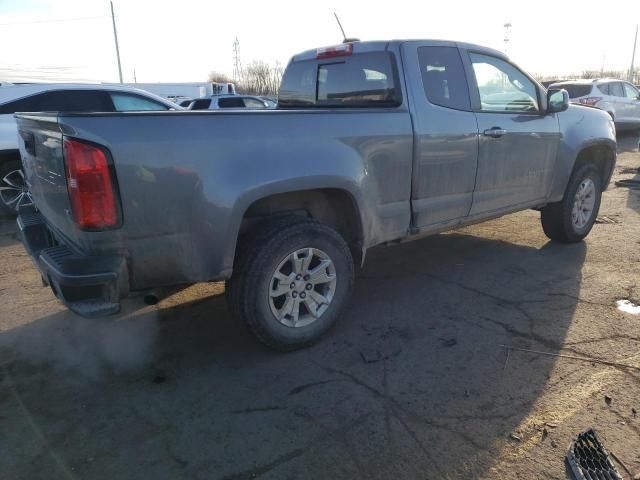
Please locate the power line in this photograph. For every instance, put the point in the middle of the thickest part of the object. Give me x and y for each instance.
(56, 20)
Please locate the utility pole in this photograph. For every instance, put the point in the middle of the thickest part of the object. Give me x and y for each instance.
(633, 57)
(506, 26)
(115, 37)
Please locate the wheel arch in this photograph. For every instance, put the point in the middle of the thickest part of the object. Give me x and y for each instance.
(336, 206)
(602, 155)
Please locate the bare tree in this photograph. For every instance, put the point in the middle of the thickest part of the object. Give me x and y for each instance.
(260, 78)
(218, 77)
(588, 74)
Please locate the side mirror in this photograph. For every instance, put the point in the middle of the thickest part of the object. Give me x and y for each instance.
(557, 100)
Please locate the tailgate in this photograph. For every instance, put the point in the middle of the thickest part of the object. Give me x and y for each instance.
(40, 143)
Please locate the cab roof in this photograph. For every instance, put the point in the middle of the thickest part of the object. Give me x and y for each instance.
(380, 45)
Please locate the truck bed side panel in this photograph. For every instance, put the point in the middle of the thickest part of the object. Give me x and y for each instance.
(186, 179)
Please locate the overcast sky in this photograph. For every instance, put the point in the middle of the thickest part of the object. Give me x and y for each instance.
(182, 40)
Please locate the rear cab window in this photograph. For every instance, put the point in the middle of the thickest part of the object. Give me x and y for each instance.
(358, 80)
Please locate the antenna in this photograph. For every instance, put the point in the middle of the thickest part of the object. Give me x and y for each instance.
(344, 35)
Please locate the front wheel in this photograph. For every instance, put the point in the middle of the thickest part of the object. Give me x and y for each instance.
(571, 219)
(291, 279)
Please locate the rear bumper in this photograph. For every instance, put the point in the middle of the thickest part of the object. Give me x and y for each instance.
(88, 285)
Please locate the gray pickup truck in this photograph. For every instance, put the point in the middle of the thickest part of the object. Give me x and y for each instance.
(371, 143)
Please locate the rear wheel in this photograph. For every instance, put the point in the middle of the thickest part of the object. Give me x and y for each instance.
(13, 189)
(291, 279)
(571, 219)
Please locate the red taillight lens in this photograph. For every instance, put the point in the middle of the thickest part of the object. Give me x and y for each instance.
(337, 51)
(591, 101)
(90, 186)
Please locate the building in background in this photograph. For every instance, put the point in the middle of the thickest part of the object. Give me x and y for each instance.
(178, 92)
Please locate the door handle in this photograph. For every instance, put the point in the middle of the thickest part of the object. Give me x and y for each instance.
(495, 132)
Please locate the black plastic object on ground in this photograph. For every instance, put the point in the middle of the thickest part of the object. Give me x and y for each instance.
(589, 460)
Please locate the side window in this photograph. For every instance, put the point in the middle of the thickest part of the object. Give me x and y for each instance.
(502, 87)
(443, 77)
(253, 103)
(230, 102)
(604, 88)
(630, 91)
(76, 101)
(28, 104)
(124, 102)
(615, 89)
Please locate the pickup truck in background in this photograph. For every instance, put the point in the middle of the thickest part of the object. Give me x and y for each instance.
(372, 142)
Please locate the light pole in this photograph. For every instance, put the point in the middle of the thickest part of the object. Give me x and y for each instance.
(115, 37)
(633, 56)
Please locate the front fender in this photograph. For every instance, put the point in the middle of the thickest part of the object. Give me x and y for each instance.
(580, 128)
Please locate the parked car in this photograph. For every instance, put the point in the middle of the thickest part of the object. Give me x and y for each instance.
(230, 101)
(364, 149)
(64, 97)
(618, 98)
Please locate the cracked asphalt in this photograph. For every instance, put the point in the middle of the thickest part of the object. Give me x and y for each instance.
(414, 381)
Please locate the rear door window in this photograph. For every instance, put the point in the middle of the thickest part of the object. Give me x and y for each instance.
(76, 101)
(443, 77)
(253, 103)
(123, 102)
(615, 89)
(27, 104)
(359, 80)
(201, 104)
(231, 102)
(630, 91)
(576, 90)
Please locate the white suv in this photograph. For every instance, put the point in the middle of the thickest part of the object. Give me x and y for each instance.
(618, 98)
(50, 97)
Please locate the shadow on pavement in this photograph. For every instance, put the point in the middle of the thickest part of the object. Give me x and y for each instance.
(630, 142)
(185, 392)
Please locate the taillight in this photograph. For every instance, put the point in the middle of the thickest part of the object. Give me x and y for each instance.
(90, 185)
(341, 50)
(590, 101)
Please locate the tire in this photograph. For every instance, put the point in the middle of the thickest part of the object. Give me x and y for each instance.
(252, 291)
(558, 221)
(12, 191)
